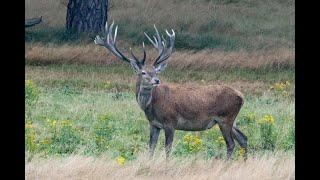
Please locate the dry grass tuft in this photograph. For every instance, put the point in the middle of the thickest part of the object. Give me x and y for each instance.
(51, 54)
(207, 59)
(277, 166)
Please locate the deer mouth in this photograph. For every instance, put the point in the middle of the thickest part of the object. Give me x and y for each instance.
(156, 84)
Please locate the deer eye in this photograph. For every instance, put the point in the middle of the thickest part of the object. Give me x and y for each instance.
(143, 73)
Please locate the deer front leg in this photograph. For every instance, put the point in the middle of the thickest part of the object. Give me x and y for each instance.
(169, 132)
(154, 134)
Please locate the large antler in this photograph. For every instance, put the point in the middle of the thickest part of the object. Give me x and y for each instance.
(160, 44)
(110, 43)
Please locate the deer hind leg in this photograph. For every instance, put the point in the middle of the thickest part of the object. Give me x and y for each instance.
(241, 139)
(226, 130)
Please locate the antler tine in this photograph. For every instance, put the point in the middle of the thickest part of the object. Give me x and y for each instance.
(106, 28)
(164, 51)
(160, 44)
(111, 45)
(134, 57)
(168, 53)
(165, 41)
(115, 35)
(156, 41)
(110, 32)
(144, 54)
(158, 35)
(150, 39)
(171, 37)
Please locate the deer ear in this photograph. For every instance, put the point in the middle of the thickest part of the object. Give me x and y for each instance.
(135, 66)
(161, 67)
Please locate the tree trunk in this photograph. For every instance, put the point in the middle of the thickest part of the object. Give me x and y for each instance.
(86, 15)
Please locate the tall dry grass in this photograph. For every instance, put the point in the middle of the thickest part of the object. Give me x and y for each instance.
(276, 166)
(205, 59)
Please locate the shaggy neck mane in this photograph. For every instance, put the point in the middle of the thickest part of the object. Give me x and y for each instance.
(143, 95)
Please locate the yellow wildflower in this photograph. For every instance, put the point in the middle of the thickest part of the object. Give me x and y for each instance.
(242, 152)
(267, 119)
(45, 141)
(121, 160)
(280, 86)
(193, 143)
(65, 123)
(52, 123)
(285, 93)
(28, 82)
(220, 140)
(28, 125)
(30, 139)
(187, 138)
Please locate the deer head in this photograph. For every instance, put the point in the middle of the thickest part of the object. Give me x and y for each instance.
(147, 76)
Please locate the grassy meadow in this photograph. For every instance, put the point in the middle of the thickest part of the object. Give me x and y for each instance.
(82, 120)
(91, 112)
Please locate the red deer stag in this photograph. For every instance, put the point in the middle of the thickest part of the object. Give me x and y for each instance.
(177, 107)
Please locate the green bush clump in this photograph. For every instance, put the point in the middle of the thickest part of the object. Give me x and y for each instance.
(267, 132)
(64, 137)
(31, 93)
(190, 144)
(30, 137)
(102, 132)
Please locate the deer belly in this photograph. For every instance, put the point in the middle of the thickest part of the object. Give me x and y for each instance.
(194, 124)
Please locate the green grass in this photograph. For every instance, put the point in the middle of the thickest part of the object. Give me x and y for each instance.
(74, 113)
(113, 123)
(122, 77)
(57, 35)
(217, 24)
(135, 37)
